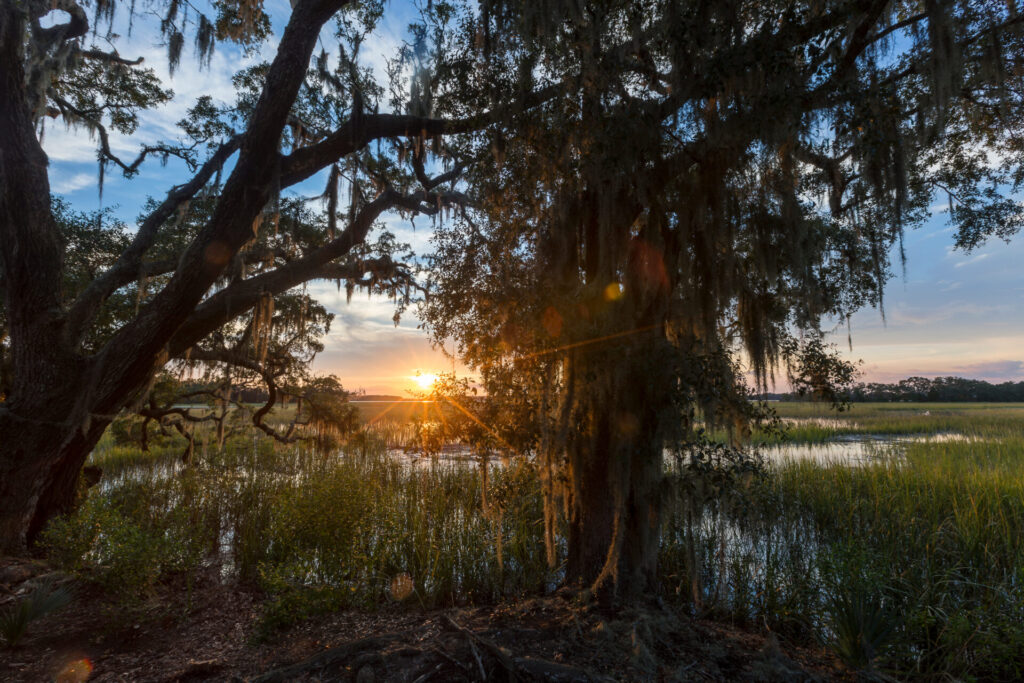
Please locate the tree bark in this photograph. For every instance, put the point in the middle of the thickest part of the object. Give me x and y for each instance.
(39, 470)
(36, 438)
(615, 478)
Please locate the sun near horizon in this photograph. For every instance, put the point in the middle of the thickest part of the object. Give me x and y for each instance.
(424, 380)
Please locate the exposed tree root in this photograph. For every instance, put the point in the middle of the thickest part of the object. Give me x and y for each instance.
(333, 658)
(469, 656)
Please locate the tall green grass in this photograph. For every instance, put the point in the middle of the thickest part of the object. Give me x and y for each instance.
(912, 563)
(329, 531)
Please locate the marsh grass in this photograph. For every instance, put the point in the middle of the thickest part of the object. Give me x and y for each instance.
(991, 420)
(315, 532)
(910, 564)
(394, 433)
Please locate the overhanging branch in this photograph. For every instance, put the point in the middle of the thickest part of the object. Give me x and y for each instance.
(126, 269)
(357, 132)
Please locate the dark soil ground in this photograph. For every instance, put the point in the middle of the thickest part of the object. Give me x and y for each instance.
(209, 633)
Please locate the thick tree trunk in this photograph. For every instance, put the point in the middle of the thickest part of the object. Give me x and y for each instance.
(49, 427)
(40, 463)
(59, 401)
(622, 387)
(615, 482)
(619, 563)
(41, 451)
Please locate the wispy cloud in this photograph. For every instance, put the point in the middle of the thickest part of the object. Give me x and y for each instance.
(62, 183)
(990, 371)
(971, 261)
(903, 315)
(996, 370)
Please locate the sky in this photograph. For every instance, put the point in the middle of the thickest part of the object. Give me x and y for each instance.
(952, 313)
(948, 313)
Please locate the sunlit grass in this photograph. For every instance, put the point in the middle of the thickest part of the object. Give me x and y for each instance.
(813, 422)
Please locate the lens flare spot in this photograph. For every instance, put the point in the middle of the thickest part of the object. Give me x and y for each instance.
(75, 671)
(648, 266)
(613, 292)
(552, 322)
(217, 253)
(627, 423)
(401, 587)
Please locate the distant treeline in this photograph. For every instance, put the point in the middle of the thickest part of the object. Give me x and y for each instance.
(938, 389)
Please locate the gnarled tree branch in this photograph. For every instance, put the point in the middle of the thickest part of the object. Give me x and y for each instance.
(126, 269)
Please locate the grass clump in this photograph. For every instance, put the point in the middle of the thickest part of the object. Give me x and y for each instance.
(315, 533)
(42, 600)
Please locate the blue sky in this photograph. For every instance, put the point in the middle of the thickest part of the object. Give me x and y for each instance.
(950, 314)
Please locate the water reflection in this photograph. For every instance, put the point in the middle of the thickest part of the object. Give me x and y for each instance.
(455, 456)
(845, 452)
(852, 449)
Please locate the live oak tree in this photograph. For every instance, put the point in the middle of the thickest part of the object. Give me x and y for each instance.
(711, 182)
(207, 274)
